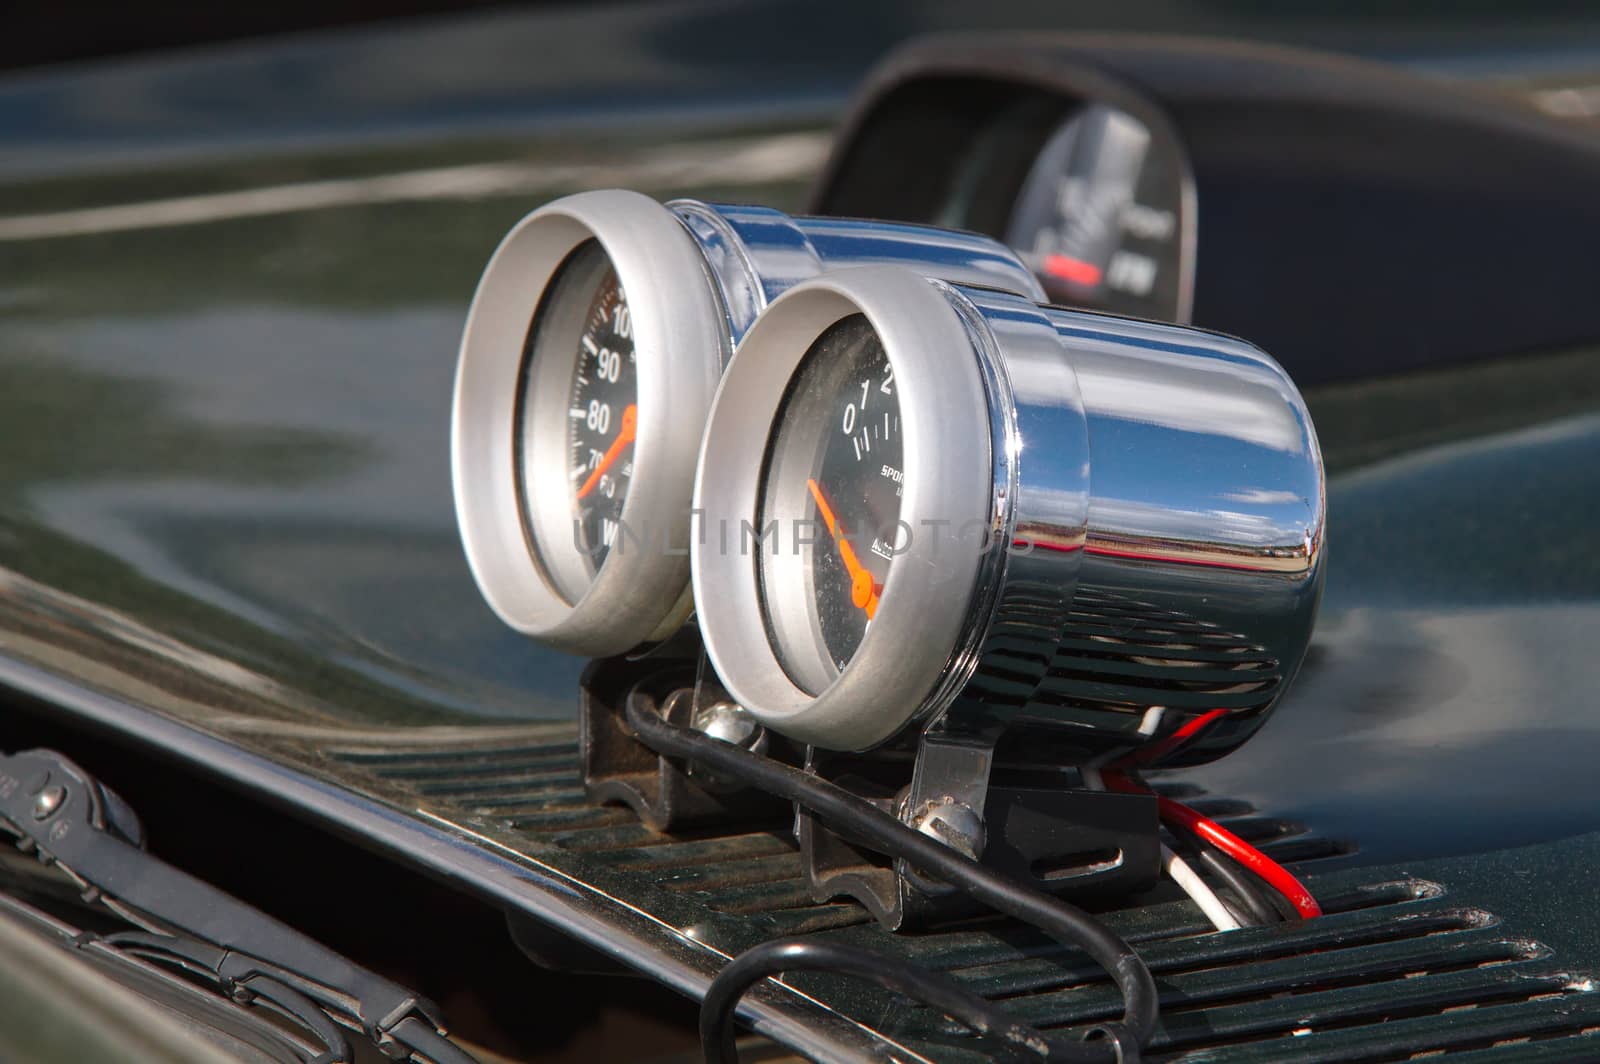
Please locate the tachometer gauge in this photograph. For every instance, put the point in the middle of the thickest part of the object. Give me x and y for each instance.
(924, 503)
(588, 364)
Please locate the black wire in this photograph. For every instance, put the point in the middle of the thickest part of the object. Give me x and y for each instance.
(868, 825)
(1273, 897)
(425, 1042)
(1252, 895)
(199, 1002)
(414, 1034)
(193, 956)
(1264, 903)
(798, 954)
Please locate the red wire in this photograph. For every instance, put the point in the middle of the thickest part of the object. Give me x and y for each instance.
(1156, 751)
(1278, 877)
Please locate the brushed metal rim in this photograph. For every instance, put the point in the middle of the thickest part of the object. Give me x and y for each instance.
(945, 421)
(639, 593)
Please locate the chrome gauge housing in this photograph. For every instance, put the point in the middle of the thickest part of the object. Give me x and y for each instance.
(1102, 525)
(589, 361)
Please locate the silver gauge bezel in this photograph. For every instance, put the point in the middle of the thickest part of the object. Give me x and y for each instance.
(948, 502)
(641, 590)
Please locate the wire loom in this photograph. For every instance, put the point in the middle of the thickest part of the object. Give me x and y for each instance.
(1121, 1041)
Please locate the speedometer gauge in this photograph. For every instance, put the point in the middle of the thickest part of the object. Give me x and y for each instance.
(928, 503)
(579, 396)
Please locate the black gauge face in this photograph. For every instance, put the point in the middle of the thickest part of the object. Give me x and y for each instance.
(1100, 216)
(577, 418)
(602, 419)
(832, 484)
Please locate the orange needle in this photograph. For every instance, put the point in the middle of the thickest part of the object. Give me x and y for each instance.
(630, 422)
(862, 593)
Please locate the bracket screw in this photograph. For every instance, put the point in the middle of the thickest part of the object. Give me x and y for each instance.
(48, 802)
(953, 823)
(729, 722)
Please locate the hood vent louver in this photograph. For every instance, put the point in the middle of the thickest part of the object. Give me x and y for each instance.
(1396, 970)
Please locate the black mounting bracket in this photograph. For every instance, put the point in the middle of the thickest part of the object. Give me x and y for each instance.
(1027, 818)
(1024, 821)
(617, 767)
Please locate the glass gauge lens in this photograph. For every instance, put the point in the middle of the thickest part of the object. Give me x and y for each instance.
(577, 413)
(1098, 216)
(830, 503)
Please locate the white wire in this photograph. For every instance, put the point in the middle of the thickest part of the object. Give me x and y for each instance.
(1199, 890)
(1178, 869)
